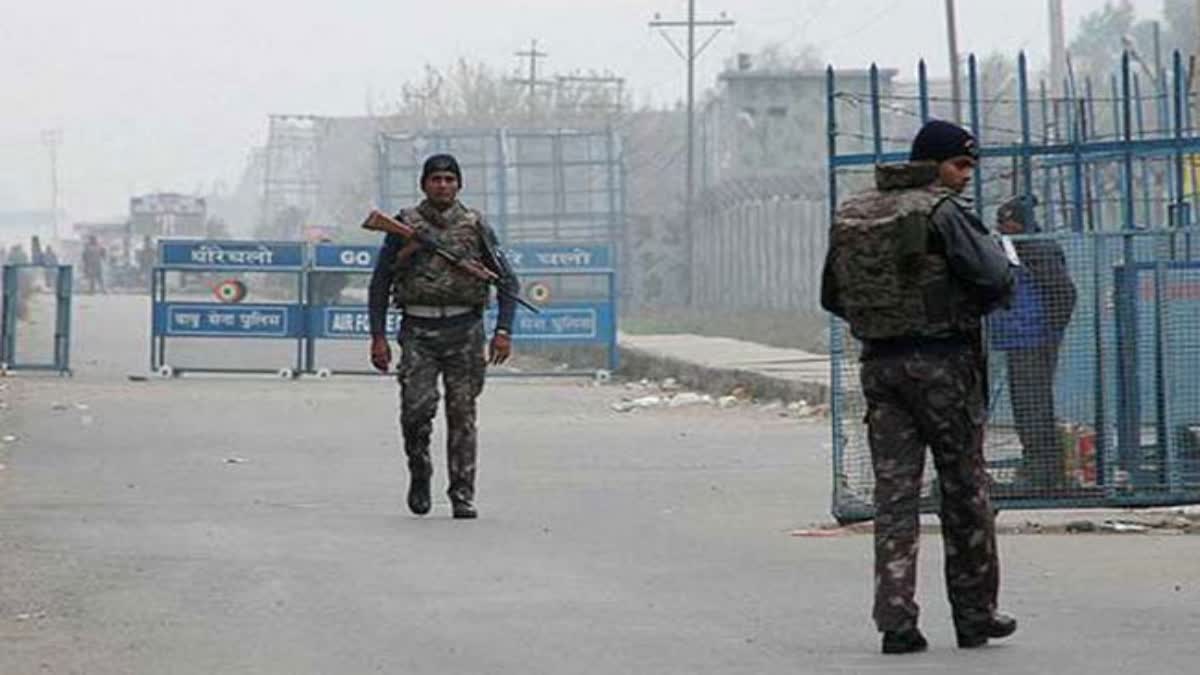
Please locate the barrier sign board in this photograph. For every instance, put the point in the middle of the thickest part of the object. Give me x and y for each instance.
(333, 257)
(346, 322)
(562, 257)
(172, 319)
(577, 323)
(582, 322)
(203, 254)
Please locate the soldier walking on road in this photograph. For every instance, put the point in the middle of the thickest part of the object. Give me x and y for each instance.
(442, 332)
(913, 271)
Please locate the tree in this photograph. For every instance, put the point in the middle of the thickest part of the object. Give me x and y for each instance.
(1100, 39)
(471, 94)
(1105, 34)
(1180, 30)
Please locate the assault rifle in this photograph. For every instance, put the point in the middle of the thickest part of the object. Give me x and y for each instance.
(378, 221)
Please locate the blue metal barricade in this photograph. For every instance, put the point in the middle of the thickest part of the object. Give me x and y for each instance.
(20, 332)
(575, 287)
(328, 318)
(200, 318)
(577, 301)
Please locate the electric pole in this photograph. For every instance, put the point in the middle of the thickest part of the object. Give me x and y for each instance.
(52, 138)
(532, 82)
(955, 72)
(690, 24)
(1058, 47)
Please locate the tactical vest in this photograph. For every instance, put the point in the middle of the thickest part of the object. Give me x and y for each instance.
(892, 281)
(429, 279)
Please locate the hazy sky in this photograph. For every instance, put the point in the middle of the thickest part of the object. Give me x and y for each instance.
(171, 94)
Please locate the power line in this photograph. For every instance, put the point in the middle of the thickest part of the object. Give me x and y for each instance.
(532, 81)
(52, 138)
(801, 27)
(879, 16)
(689, 56)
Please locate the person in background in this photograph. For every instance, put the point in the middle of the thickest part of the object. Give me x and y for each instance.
(36, 255)
(16, 255)
(1030, 333)
(50, 260)
(147, 257)
(93, 264)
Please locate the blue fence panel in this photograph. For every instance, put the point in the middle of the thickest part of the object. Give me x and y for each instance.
(19, 284)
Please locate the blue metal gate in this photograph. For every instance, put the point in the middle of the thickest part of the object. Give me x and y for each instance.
(1115, 179)
(21, 290)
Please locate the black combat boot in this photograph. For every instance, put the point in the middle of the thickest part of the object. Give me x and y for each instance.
(904, 641)
(419, 501)
(998, 626)
(464, 510)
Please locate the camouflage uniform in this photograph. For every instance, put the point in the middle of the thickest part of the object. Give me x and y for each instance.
(932, 399)
(456, 352)
(913, 272)
(451, 347)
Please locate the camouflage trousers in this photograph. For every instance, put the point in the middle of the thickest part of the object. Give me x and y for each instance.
(934, 400)
(455, 352)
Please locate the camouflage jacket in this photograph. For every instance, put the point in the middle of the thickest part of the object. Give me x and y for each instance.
(426, 278)
(908, 260)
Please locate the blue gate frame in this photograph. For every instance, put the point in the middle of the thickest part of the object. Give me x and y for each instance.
(9, 354)
(193, 319)
(1136, 176)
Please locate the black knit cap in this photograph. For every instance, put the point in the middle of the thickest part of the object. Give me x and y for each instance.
(439, 163)
(940, 140)
(1019, 209)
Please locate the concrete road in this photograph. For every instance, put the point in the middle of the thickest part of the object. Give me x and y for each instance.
(657, 541)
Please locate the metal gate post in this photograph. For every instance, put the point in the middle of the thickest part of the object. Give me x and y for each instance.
(62, 327)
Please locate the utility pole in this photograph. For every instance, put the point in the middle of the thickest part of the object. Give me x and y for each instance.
(690, 24)
(955, 71)
(52, 138)
(1058, 47)
(532, 82)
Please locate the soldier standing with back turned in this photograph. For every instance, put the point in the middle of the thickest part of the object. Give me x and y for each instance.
(442, 332)
(913, 271)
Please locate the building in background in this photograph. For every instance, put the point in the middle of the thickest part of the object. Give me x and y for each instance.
(771, 120)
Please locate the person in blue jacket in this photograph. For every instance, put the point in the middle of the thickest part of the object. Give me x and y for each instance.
(1030, 333)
